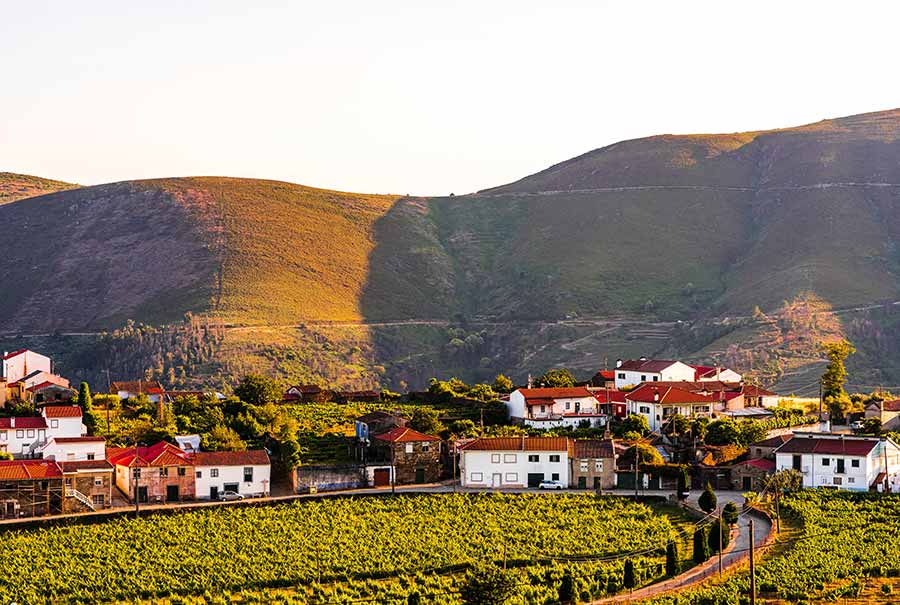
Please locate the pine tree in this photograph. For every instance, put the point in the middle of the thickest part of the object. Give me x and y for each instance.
(708, 499)
(566, 590)
(628, 579)
(672, 559)
(684, 483)
(701, 548)
(85, 402)
(730, 513)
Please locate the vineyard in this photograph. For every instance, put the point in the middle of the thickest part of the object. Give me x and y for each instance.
(845, 541)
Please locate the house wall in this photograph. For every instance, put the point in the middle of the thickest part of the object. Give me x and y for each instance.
(31, 498)
(512, 466)
(657, 413)
(156, 484)
(18, 367)
(75, 451)
(64, 427)
(21, 442)
(330, 478)
(725, 375)
(417, 455)
(677, 371)
(597, 421)
(260, 486)
(86, 482)
(603, 469)
(756, 475)
(817, 474)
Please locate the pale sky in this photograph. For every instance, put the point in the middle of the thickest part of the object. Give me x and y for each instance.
(414, 97)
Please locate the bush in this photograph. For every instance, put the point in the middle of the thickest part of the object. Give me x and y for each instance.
(708, 499)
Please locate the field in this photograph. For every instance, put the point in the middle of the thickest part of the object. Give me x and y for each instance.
(336, 550)
(847, 545)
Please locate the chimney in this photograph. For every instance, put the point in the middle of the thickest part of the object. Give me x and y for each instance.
(523, 443)
(530, 381)
(717, 372)
(12, 422)
(643, 358)
(618, 363)
(655, 395)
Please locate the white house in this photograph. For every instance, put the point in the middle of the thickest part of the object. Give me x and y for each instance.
(554, 407)
(718, 373)
(247, 473)
(636, 371)
(19, 364)
(68, 449)
(840, 461)
(658, 403)
(189, 444)
(21, 436)
(512, 462)
(130, 389)
(63, 420)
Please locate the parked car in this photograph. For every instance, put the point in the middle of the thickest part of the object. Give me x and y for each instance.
(550, 484)
(229, 495)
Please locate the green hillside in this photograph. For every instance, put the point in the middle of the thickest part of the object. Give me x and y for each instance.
(645, 246)
(15, 187)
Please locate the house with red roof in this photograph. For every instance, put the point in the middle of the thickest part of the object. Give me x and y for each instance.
(130, 389)
(751, 475)
(514, 462)
(719, 373)
(158, 473)
(636, 371)
(658, 403)
(556, 407)
(17, 365)
(888, 412)
(603, 379)
(30, 488)
(247, 474)
(413, 457)
(838, 461)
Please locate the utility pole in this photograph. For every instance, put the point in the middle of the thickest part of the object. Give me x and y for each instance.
(752, 567)
(453, 462)
(720, 540)
(393, 471)
(777, 513)
(108, 389)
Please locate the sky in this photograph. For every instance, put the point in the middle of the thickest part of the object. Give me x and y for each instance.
(424, 98)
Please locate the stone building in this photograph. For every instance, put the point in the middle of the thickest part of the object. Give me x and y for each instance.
(88, 484)
(593, 464)
(751, 475)
(414, 456)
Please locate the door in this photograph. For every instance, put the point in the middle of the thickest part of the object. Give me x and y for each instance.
(840, 466)
(171, 493)
(534, 479)
(420, 475)
(497, 480)
(142, 493)
(582, 482)
(382, 477)
(231, 487)
(746, 483)
(213, 492)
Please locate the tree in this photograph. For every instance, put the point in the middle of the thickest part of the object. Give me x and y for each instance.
(672, 566)
(678, 425)
(425, 420)
(628, 579)
(258, 389)
(556, 378)
(872, 426)
(6, 456)
(788, 480)
(223, 439)
(751, 431)
(481, 392)
(707, 499)
(684, 484)
(698, 428)
(701, 548)
(488, 585)
(730, 513)
(713, 536)
(835, 373)
(646, 454)
(722, 432)
(502, 384)
(87, 408)
(566, 592)
(414, 598)
(635, 423)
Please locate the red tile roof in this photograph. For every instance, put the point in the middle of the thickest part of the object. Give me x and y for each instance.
(646, 393)
(29, 469)
(555, 393)
(62, 411)
(14, 354)
(594, 448)
(149, 387)
(610, 396)
(848, 446)
(766, 465)
(247, 458)
(79, 439)
(646, 365)
(891, 406)
(402, 434)
(773, 441)
(24, 422)
(522, 444)
(751, 390)
(159, 454)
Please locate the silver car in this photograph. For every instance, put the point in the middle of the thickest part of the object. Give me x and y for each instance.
(550, 484)
(230, 495)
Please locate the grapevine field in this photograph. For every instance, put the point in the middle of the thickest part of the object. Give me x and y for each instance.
(338, 550)
(845, 542)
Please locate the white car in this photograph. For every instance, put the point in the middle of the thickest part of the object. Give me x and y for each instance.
(550, 484)
(230, 495)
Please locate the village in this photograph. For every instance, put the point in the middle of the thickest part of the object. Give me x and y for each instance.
(645, 426)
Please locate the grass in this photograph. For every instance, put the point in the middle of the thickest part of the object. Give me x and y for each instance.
(14, 187)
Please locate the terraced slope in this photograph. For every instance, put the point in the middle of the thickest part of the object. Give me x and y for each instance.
(20, 186)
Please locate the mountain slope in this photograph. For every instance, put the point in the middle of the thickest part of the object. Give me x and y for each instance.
(20, 186)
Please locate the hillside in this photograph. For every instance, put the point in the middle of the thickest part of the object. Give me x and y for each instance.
(645, 246)
(20, 186)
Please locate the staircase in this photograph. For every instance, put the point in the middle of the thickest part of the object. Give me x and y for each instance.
(74, 493)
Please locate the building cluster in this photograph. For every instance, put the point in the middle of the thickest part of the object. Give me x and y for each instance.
(26, 376)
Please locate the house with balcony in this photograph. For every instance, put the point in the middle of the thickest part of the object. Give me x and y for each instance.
(514, 462)
(556, 407)
(838, 461)
(658, 403)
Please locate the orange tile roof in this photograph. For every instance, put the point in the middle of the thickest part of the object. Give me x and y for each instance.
(647, 394)
(522, 444)
(62, 411)
(555, 393)
(159, 454)
(250, 457)
(402, 434)
(29, 469)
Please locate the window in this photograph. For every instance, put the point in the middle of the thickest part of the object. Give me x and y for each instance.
(543, 409)
(851, 480)
(841, 468)
(854, 463)
(2, 435)
(137, 473)
(656, 379)
(477, 477)
(598, 465)
(568, 405)
(495, 458)
(98, 481)
(54, 423)
(409, 448)
(554, 457)
(555, 476)
(426, 447)
(509, 458)
(20, 434)
(199, 474)
(643, 378)
(796, 462)
(826, 461)
(90, 456)
(164, 471)
(248, 474)
(622, 375)
(30, 433)
(512, 477)
(534, 458)
(181, 471)
(838, 480)
(97, 500)
(583, 466)
(213, 472)
(644, 409)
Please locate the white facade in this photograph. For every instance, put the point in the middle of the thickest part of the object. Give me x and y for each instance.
(555, 411)
(22, 436)
(658, 413)
(68, 450)
(841, 470)
(20, 364)
(676, 371)
(512, 468)
(723, 374)
(62, 426)
(248, 479)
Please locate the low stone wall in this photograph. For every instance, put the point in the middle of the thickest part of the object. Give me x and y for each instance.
(329, 478)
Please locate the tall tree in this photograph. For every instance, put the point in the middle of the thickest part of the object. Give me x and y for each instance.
(730, 513)
(488, 585)
(85, 402)
(713, 536)
(426, 420)
(556, 378)
(701, 548)
(566, 592)
(684, 484)
(628, 578)
(502, 384)
(672, 559)
(835, 373)
(258, 389)
(707, 499)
